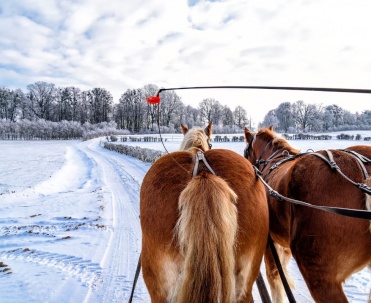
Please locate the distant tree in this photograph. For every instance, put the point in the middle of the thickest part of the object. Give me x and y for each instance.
(131, 110)
(75, 94)
(240, 117)
(303, 114)
(10, 103)
(84, 108)
(285, 116)
(328, 119)
(210, 110)
(349, 119)
(190, 116)
(227, 117)
(270, 119)
(100, 102)
(41, 96)
(150, 90)
(63, 104)
(366, 117)
(337, 113)
(169, 106)
(4, 100)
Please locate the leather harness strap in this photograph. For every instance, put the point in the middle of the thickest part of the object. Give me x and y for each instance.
(354, 213)
(331, 162)
(201, 157)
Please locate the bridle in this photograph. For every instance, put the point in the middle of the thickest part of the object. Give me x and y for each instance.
(260, 161)
(246, 152)
(208, 143)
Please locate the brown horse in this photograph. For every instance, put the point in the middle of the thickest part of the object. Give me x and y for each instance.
(327, 247)
(203, 236)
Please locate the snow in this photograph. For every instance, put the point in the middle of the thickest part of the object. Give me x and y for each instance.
(69, 222)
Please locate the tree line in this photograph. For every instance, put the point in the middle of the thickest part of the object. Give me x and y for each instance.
(44, 101)
(302, 117)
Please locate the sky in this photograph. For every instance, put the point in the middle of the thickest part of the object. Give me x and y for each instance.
(121, 45)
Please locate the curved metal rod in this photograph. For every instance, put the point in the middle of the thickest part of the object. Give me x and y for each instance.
(318, 89)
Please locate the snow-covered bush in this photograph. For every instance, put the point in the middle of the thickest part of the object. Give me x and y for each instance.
(143, 154)
(103, 129)
(39, 130)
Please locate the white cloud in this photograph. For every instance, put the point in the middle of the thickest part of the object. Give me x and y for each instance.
(120, 45)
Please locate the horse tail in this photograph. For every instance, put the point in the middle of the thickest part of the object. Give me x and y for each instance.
(206, 231)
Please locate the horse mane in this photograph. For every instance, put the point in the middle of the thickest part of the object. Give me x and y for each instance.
(277, 141)
(194, 138)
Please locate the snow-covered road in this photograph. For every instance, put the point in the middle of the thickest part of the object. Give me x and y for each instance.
(74, 236)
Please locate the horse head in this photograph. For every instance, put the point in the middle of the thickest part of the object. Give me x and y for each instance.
(258, 143)
(196, 138)
(264, 145)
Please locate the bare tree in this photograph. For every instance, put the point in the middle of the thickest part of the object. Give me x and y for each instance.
(150, 90)
(240, 117)
(170, 103)
(210, 110)
(100, 101)
(131, 110)
(41, 96)
(4, 100)
(304, 113)
(10, 103)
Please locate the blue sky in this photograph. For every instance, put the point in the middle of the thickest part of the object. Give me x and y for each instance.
(119, 44)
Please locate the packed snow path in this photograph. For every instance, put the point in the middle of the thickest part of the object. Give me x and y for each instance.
(80, 225)
(123, 177)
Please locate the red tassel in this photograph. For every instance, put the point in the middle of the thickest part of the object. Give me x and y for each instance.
(153, 100)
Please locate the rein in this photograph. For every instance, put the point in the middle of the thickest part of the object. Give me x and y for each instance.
(135, 279)
(354, 213)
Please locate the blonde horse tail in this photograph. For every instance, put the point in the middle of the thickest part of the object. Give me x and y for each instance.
(206, 231)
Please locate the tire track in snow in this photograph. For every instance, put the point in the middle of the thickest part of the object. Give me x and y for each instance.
(84, 270)
(119, 262)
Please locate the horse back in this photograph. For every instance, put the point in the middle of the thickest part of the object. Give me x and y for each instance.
(171, 173)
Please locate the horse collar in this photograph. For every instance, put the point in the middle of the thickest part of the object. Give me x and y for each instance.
(201, 157)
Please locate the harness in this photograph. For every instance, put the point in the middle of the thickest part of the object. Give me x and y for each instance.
(261, 164)
(200, 156)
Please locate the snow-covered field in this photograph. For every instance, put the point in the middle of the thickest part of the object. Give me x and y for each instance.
(69, 226)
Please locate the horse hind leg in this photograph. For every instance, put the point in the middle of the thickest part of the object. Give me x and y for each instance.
(274, 279)
(325, 290)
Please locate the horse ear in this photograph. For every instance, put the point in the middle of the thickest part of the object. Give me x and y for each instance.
(184, 129)
(209, 129)
(270, 127)
(247, 133)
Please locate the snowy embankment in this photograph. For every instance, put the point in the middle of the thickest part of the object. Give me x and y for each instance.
(69, 223)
